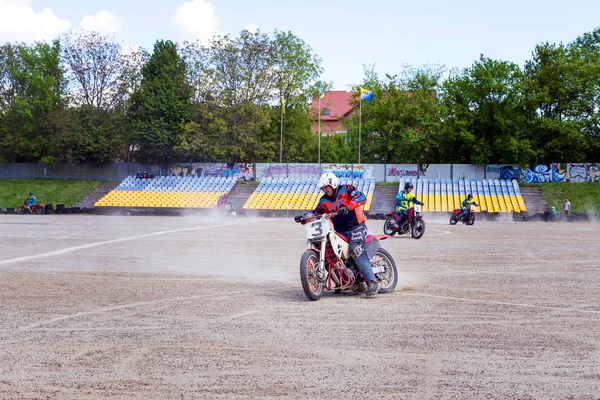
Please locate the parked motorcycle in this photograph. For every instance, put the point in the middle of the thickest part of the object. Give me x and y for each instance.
(37, 208)
(414, 223)
(327, 265)
(468, 218)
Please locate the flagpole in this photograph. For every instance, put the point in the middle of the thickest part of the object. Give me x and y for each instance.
(281, 135)
(359, 124)
(319, 128)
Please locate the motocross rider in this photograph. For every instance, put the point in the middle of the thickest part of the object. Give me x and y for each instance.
(403, 203)
(466, 204)
(31, 201)
(350, 222)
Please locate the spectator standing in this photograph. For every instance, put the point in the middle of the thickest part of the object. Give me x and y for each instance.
(567, 206)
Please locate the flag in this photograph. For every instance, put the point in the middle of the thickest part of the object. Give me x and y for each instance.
(321, 91)
(366, 95)
(283, 104)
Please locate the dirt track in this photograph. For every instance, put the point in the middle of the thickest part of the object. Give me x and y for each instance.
(172, 307)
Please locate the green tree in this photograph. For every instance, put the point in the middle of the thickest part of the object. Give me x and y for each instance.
(161, 106)
(483, 116)
(32, 85)
(400, 124)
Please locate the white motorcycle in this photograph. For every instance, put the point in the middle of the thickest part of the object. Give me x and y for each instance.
(327, 265)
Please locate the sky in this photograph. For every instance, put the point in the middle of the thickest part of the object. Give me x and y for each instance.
(347, 35)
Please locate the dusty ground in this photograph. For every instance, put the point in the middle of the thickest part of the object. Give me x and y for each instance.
(172, 307)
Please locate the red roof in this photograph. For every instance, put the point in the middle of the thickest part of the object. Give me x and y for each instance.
(337, 103)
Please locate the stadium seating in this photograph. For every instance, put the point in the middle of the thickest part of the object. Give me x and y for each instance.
(302, 193)
(168, 192)
(445, 195)
(299, 193)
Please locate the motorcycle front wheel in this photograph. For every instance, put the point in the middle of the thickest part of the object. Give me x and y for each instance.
(311, 284)
(20, 211)
(418, 229)
(388, 279)
(471, 219)
(388, 226)
(453, 219)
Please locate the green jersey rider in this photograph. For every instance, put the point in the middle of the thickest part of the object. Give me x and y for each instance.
(403, 203)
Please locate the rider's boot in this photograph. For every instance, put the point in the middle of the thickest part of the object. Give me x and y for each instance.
(362, 287)
(364, 266)
(372, 288)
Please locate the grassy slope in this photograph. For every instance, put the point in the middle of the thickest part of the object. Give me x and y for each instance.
(584, 197)
(68, 192)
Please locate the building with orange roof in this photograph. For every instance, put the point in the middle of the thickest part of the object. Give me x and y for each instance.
(334, 106)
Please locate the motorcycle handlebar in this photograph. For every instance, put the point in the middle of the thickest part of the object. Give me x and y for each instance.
(310, 216)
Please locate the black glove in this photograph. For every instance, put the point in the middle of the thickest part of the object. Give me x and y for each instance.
(298, 218)
(343, 210)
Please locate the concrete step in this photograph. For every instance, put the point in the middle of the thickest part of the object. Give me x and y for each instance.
(384, 199)
(535, 203)
(91, 198)
(240, 194)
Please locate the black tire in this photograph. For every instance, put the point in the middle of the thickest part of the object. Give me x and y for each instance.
(418, 229)
(388, 226)
(471, 219)
(453, 219)
(39, 211)
(389, 278)
(312, 286)
(20, 211)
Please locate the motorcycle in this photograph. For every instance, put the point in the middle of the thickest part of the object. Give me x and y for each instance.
(327, 265)
(227, 209)
(468, 218)
(413, 223)
(37, 208)
(230, 210)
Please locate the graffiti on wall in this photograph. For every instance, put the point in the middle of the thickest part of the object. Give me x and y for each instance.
(401, 172)
(584, 172)
(537, 173)
(559, 173)
(271, 171)
(239, 170)
(594, 172)
(398, 172)
(507, 172)
(352, 171)
(305, 170)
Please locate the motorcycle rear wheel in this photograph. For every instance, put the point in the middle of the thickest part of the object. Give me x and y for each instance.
(388, 279)
(312, 286)
(453, 219)
(418, 229)
(39, 210)
(388, 226)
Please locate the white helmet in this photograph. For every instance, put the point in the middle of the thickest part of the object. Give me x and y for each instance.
(328, 179)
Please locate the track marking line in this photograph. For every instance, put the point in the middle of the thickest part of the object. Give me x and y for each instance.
(91, 245)
(505, 303)
(133, 305)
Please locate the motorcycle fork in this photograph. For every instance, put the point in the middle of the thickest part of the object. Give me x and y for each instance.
(322, 255)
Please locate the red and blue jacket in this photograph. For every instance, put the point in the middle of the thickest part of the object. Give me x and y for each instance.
(345, 196)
